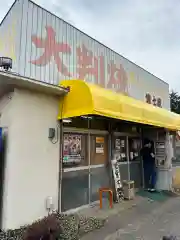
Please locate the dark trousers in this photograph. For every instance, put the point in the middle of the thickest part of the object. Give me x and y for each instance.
(149, 176)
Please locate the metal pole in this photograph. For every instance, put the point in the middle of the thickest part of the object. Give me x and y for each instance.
(89, 161)
(110, 142)
(142, 166)
(110, 154)
(60, 167)
(157, 135)
(127, 153)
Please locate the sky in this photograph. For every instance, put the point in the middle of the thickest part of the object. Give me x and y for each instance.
(145, 31)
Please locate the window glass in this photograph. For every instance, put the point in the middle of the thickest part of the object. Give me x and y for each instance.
(99, 149)
(99, 179)
(99, 123)
(134, 149)
(75, 189)
(120, 149)
(75, 150)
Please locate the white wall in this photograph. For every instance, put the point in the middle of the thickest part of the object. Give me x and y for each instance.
(5, 109)
(32, 162)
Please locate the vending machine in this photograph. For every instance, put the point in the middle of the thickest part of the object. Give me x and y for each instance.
(164, 154)
(160, 152)
(163, 147)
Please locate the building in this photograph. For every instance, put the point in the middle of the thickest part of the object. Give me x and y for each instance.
(92, 121)
(33, 48)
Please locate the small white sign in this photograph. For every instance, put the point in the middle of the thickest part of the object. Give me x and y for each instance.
(99, 150)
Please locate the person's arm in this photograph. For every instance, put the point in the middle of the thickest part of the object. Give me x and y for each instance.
(152, 155)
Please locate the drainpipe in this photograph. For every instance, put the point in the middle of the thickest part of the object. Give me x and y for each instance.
(60, 166)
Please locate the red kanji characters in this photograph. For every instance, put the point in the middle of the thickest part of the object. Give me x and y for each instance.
(51, 49)
(117, 78)
(87, 64)
(102, 71)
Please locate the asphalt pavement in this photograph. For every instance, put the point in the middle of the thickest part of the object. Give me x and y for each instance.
(150, 220)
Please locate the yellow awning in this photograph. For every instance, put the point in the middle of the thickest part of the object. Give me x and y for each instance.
(90, 99)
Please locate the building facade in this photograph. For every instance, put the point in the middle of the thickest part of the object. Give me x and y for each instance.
(46, 48)
(31, 161)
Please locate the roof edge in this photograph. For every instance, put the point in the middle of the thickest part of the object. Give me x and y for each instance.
(17, 81)
(8, 12)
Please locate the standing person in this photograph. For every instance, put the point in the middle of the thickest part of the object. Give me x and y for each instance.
(149, 167)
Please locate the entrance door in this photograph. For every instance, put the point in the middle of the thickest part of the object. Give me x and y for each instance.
(99, 175)
(128, 147)
(75, 183)
(120, 149)
(135, 163)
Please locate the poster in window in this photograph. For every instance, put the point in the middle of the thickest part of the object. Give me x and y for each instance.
(122, 143)
(100, 145)
(117, 144)
(72, 151)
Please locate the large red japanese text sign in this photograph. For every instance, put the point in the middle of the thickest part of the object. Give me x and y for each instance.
(86, 62)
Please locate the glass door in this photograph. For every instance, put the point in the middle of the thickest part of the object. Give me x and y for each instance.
(75, 180)
(99, 176)
(119, 151)
(135, 164)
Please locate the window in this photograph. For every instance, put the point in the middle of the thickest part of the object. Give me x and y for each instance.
(134, 149)
(120, 149)
(99, 149)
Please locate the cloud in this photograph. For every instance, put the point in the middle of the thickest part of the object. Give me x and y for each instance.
(145, 31)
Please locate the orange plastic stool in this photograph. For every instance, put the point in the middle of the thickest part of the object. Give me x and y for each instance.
(108, 190)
